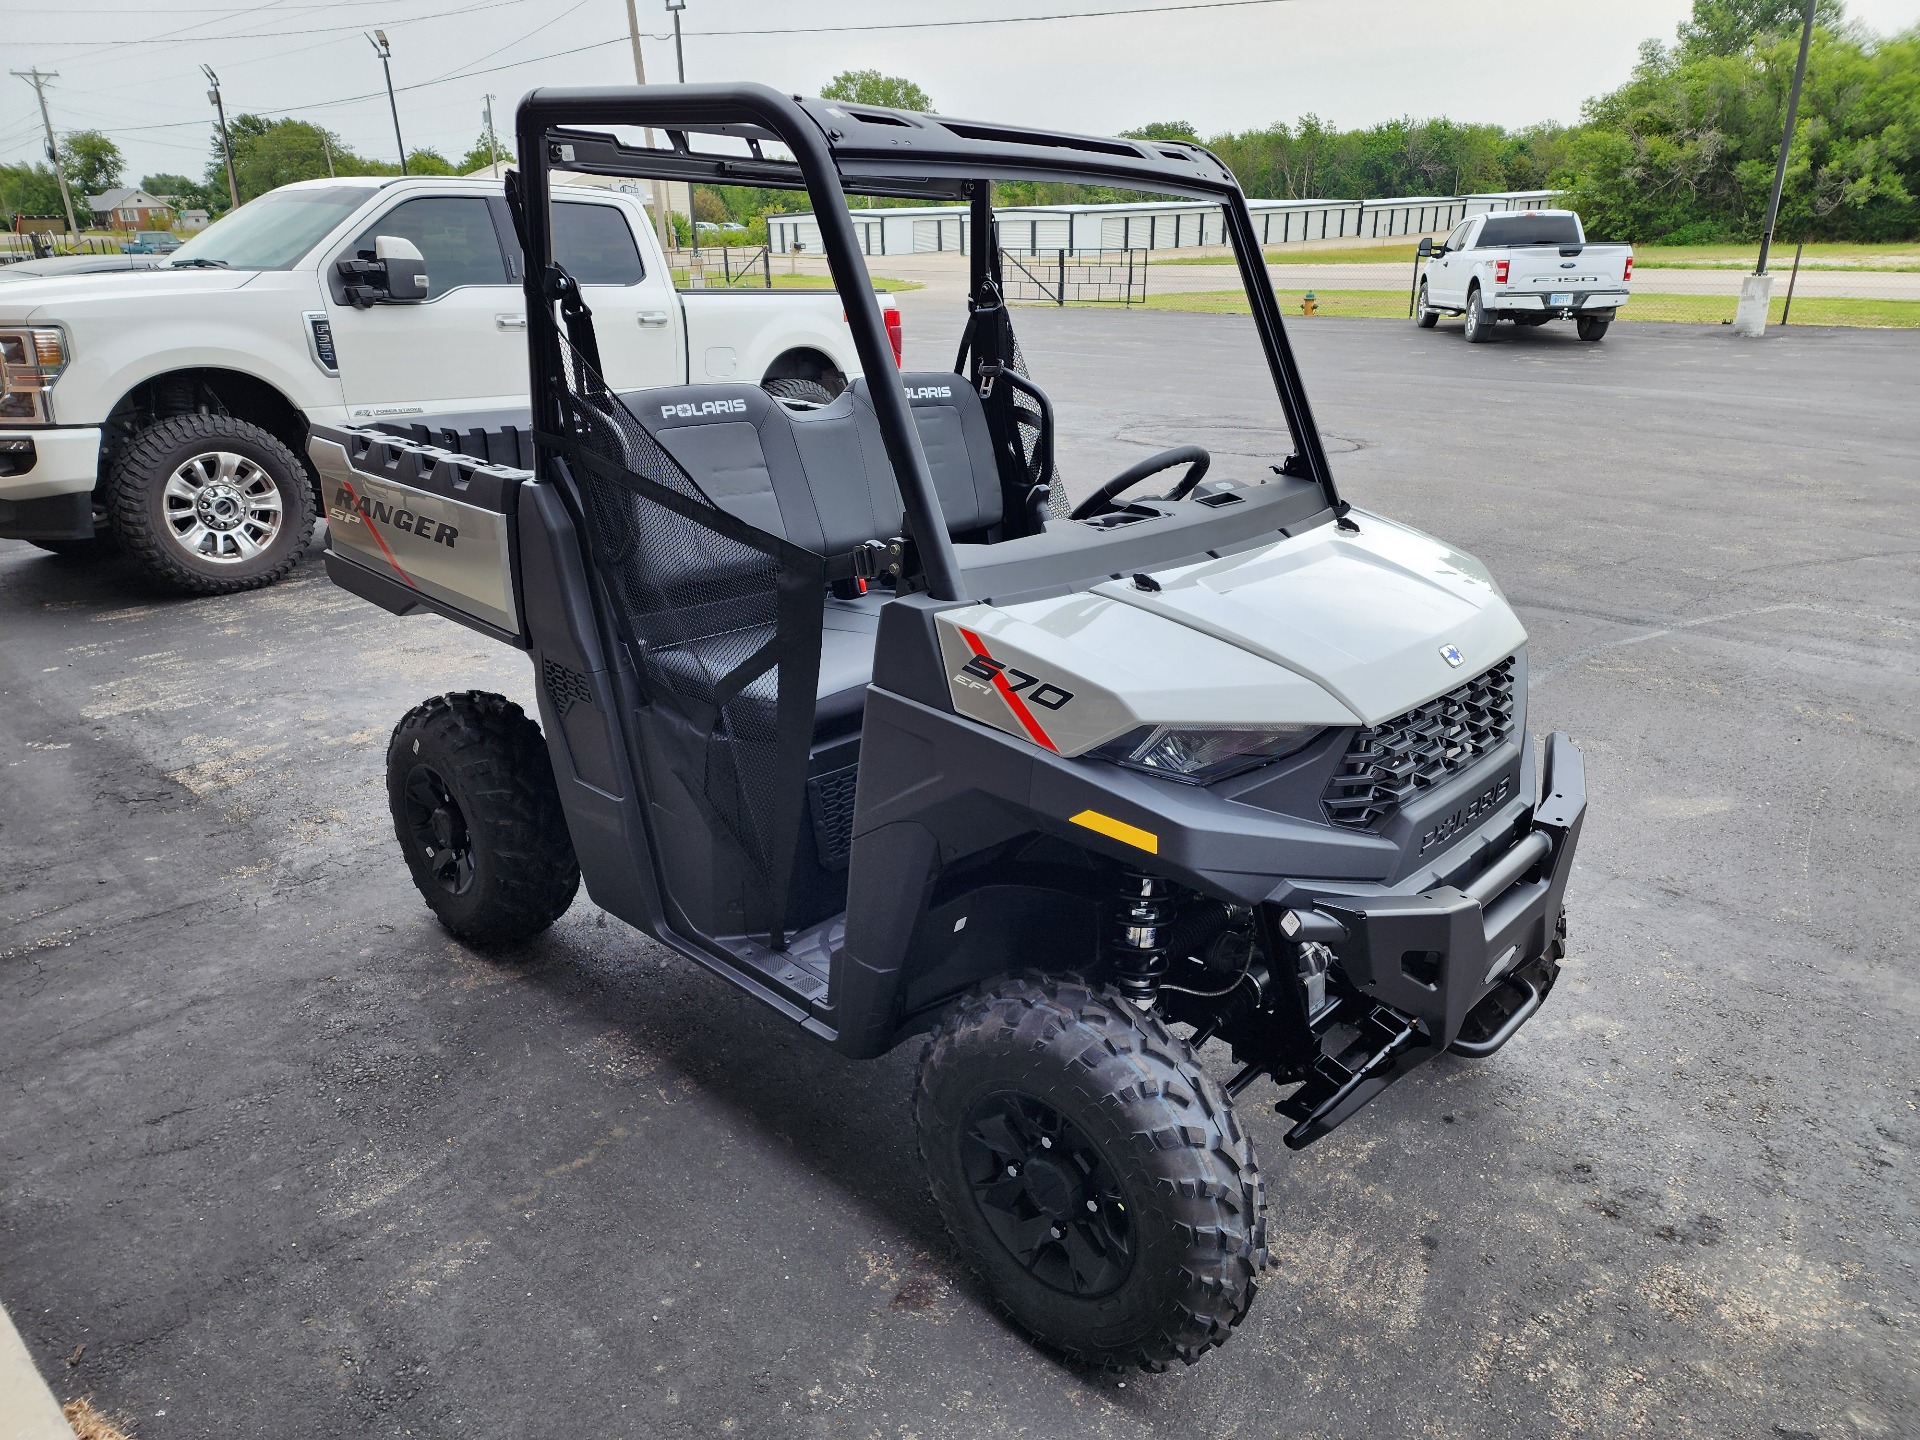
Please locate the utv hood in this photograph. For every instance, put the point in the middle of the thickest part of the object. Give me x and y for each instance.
(1327, 628)
(1383, 618)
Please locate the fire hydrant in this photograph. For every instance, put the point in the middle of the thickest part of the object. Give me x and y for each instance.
(1308, 306)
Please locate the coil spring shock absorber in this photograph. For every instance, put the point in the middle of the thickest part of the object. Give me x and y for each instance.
(1137, 944)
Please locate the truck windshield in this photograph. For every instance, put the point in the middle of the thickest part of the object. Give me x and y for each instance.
(1529, 230)
(273, 232)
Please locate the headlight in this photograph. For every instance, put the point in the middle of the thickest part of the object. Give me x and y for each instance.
(31, 359)
(1200, 755)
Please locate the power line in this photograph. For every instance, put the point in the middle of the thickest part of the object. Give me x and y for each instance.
(174, 38)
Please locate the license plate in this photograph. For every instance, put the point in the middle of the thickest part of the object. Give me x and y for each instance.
(1559, 299)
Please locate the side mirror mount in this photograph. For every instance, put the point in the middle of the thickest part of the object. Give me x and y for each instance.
(395, 275)
(1427, 247)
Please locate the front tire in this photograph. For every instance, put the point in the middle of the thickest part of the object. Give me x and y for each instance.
(210, 504)
(478, 818)
(1091, 1171)
(1479, 326)
(1588, 328)
(1424, 315)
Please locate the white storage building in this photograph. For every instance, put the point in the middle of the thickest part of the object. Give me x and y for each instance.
(1149, 225)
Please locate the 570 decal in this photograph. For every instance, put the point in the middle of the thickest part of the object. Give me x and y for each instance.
(1045, 694)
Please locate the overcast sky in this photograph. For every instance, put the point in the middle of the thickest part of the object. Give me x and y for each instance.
(134, 70)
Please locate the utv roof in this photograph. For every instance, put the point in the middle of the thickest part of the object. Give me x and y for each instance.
(877, 151)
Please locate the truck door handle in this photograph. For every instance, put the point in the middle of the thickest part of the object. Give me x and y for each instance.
(653, 318)
(510, 322)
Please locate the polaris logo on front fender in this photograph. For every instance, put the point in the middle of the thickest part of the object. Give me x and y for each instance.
(690, 411)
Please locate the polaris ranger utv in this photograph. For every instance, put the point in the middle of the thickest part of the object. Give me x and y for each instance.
(1070, 791)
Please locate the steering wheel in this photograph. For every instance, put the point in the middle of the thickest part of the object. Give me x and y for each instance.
(1192, 455)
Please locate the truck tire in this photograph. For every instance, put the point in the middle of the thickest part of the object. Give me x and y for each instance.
(210, 504)
(1091, 1171)
(1588, 328)
(807, 392)
(1424, 315)
(1479, 328)
(478, 817)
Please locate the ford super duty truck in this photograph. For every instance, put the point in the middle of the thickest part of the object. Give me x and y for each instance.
(168, 410)
(1528, 268)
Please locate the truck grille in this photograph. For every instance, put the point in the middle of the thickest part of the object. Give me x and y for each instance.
(1390, 763)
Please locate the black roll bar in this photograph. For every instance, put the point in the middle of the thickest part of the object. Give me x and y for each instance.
(705, 107)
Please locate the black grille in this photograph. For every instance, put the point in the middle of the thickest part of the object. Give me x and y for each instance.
(830, 798)
(566, 687)
(1391, 763)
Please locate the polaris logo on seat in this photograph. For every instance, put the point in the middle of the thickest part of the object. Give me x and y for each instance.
(930, 392)
(690, 411)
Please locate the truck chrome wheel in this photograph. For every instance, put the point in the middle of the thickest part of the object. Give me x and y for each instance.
(222, 507)
(1048, 1194)
(436, 824)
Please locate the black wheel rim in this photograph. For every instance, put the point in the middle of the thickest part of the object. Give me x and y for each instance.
(1048, 1194)
(438, 830)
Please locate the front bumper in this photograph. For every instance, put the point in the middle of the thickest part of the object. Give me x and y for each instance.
(1458, 967)
(47, 476)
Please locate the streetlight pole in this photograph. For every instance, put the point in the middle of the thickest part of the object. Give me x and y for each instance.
(1756, 290)
(1786, 137)
(674, 7)
(226, 140)
(380, 47)
(38, 78)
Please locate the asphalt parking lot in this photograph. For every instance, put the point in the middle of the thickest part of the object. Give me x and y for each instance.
(278, 1158)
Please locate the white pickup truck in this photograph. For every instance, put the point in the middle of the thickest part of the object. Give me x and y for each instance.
(1529, 268)
(169, 408)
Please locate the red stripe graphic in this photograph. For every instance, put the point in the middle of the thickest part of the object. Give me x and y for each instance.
(374, 531)
(1014, 702)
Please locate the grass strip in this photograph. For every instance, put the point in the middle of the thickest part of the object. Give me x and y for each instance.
(1685, 309)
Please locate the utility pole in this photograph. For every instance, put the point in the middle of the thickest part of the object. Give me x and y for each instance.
(674, 7)
(656, 189)
(226, 140)
(380, 47)
(493, 145)
(326, 148)
(38, 78)
(1756, 290)
(1786, 137)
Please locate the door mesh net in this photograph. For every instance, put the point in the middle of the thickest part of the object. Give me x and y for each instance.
(723, 621)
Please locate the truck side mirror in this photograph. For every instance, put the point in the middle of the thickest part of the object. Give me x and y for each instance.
(406, 268)
(395, 274)
(1426, 246)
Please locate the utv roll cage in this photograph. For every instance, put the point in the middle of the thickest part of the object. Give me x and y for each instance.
(840, 149)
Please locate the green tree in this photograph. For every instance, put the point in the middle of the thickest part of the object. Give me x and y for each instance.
(270, 153)
(1164, 130)
(1730, 27)
(870, 87)
(479, 155)
(164, 184)
(28, 190)
(93, 163)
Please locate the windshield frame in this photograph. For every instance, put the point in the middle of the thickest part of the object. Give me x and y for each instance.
(254, 211)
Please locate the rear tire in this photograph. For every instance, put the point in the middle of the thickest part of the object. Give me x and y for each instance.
(1091, 1171)
(1479, 327)
(807, 392)
(210, 504)
(478, 817)
(1590, 329)
(1424, 315)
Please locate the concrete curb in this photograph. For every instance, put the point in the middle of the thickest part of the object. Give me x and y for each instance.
(28, 1410)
